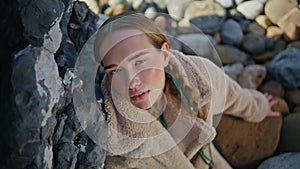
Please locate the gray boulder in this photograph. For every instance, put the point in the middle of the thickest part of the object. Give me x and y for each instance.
(285, 68)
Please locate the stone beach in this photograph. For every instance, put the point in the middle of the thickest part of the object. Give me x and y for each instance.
(255, 42)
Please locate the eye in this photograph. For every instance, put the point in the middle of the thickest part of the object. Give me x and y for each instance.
(115, 71)
(139, 62)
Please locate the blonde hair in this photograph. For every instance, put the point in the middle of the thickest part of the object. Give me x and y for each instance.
(133, 20)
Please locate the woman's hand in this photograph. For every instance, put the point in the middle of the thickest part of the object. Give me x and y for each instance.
(271, 113)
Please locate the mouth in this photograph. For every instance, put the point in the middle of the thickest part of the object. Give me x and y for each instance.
(137, 96)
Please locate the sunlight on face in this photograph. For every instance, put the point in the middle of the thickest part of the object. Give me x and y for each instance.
(135, 68)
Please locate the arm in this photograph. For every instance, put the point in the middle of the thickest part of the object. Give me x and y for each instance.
(229, 98)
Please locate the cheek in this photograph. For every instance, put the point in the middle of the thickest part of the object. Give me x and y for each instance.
(153, 77)
(119, 85)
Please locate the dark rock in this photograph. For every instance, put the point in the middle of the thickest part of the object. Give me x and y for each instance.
(295, 44)
(285, 69)
(274, 88)
(282, 161)
(66, 156)
(208, 24)
(90, 154)
(36, 91)
(234, 70)
(292, 96)
(296, 109)
(196, 43)
(229, 54)
(244, 24)
(269, 43)
(67, 58)
(290, 135)
(254, 43)
(68, 6)
(263, 57)
(82, 25)
(252, 76)
(59, 128)
(256, 29)
(36, 23)
(230, 28)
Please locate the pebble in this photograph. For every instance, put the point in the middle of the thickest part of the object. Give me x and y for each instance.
(260, 58)
(250, 9)
(203, 8)
(274, 32)
(229, 28)
(230, 54)
(254, 43)
(285, 69)
(252, 76)
(275, 9)
(290, 23)
(263, 21)
(225, 3)
(256, 29)
(208, 24)
(233, 70)
(274, 88)
(177, 7)
(196, 43)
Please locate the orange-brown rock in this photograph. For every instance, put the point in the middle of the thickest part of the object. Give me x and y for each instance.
(290, 23)
(281, 105)
(246, 144)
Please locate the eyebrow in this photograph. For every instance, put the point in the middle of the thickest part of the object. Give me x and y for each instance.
(110, 66)
(130, 59)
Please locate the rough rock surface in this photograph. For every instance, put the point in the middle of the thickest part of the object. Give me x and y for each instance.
(245, 145)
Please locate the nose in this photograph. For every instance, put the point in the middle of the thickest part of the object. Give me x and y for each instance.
(135, 83)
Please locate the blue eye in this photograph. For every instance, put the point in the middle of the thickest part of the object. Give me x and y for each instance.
(139, 62)
(113, 72)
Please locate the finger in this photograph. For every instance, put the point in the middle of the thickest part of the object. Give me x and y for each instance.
(273, 102)
(268, 96)
(273, 114)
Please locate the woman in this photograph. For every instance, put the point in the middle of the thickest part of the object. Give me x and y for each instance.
(160, 103)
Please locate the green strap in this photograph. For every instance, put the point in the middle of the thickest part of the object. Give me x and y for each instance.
(205, 158)
(162, 121)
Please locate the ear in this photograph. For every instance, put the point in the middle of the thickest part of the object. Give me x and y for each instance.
(165, 51)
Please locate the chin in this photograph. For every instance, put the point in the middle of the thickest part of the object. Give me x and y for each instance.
(143, 106)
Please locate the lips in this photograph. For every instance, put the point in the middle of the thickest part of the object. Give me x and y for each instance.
(136, 96)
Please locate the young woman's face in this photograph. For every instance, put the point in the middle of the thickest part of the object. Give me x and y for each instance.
(135, 68)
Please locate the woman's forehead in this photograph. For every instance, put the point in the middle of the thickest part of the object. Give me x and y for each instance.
(116, 37)
(119, 45)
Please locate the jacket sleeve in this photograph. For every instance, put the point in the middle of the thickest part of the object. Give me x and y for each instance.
(228, 97)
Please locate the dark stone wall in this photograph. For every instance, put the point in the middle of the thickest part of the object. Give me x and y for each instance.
(39, 44)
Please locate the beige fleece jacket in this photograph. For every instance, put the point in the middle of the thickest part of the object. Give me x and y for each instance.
(138, 140)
